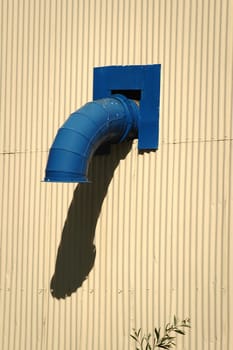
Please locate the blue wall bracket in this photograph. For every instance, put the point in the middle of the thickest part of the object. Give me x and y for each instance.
(139, 82)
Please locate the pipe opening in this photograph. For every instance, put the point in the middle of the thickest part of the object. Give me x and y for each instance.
(131, 94)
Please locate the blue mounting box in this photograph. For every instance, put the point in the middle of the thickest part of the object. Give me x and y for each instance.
(138, 82)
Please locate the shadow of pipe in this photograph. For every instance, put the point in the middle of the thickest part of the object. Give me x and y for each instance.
(76, 252)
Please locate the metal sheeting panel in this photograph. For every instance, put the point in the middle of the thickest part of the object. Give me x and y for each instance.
(152, 235)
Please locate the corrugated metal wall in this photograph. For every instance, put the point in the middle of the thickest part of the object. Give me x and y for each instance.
(161, 222)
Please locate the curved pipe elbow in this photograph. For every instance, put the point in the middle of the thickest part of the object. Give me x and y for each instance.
(112, 119)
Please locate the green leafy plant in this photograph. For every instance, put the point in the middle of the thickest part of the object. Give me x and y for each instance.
(165, 340)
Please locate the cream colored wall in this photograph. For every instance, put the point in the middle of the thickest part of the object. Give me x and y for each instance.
(163, 234)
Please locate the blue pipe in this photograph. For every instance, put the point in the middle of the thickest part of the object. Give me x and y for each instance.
(112, 119)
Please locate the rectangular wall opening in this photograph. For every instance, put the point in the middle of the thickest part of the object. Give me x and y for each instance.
(131, 94)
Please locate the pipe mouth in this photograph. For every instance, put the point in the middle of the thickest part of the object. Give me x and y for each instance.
(55, 176)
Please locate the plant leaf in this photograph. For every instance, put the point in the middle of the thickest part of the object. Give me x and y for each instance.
(163, 346)
(179, 331)
(157, 334)
(133, 336)
(148, 347)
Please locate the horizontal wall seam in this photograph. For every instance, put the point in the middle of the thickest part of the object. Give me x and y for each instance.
(5, 153)
(196, 141)
(162, 143)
